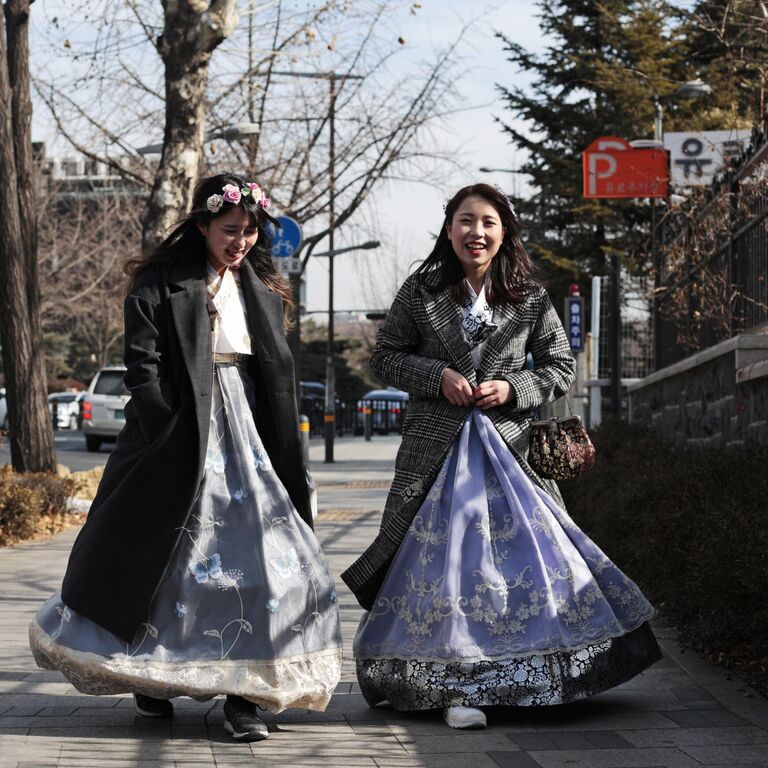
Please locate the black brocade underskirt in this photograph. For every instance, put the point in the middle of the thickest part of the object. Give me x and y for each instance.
(555, 678)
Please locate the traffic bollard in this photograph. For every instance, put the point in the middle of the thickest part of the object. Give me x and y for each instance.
(304, 434)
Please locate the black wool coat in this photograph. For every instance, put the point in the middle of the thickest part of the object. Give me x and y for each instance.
(155, 471)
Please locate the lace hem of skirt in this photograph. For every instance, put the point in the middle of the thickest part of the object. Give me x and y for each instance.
(542, 680)
(477, 654)
(306, 682)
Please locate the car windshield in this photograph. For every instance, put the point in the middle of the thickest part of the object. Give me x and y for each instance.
(110, 383)
(65, 398)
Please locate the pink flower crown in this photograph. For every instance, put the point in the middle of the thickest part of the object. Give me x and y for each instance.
(231, 194)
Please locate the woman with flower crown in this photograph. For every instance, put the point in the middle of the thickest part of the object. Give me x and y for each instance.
(480, 590)
(197, 572)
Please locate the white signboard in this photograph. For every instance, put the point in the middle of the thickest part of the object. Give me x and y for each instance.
(288, 265)
(696, 156)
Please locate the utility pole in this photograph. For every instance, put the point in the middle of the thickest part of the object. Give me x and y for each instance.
(329, 416)
(330, 374)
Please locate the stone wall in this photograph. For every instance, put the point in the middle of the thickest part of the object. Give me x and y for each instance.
(717, 397)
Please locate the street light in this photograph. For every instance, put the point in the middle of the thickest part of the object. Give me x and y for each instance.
(227, 132)
(693, 89)
(233, 132)
(483, 169)
(362, 247)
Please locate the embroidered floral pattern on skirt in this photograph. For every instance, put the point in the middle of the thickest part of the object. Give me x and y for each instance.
(247, 605)
(496, 596)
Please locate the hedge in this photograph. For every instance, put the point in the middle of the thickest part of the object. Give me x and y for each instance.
(690, 527)
(33, 504)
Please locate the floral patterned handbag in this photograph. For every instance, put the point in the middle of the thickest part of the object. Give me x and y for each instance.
(560, 449)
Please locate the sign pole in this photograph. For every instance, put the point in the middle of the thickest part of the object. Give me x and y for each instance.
(615, 335)
(286, 240)
(616, 168)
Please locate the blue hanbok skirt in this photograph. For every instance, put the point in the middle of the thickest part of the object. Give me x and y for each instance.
(247, 605)
(496, 596)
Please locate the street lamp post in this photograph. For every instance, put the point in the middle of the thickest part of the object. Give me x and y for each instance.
(330, 374)
(693, 89)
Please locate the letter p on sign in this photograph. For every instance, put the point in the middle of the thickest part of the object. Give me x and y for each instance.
(601, 165)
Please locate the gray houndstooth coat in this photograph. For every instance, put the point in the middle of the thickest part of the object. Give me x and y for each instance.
(421, 337)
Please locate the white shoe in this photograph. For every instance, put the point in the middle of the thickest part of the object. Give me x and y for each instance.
(464, 717)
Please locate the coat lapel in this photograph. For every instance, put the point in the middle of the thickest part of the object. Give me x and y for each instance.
(445, 317)
(265, 310)
(188, 299)
(507, 317)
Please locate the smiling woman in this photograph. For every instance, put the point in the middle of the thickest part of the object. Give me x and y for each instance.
(205, 499)
(480, 589)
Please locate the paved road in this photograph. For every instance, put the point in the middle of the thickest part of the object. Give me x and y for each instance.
(71, 451)
(683, 713)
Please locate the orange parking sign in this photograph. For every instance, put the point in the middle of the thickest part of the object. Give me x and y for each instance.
(613, 168)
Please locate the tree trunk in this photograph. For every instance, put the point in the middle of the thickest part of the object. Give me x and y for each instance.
(193, 29)
(31, 433)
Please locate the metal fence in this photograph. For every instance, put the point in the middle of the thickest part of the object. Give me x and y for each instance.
(713, 260)
(346, 415)
(636, 328)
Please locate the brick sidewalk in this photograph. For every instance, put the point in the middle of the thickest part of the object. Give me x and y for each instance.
(682, 713)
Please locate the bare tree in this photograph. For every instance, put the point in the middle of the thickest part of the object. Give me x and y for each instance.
(273, 73)
(84, 240)
(111, 100)
(23, 360)
(192, 32)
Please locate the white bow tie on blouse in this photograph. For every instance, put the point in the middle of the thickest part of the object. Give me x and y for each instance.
(231, 329)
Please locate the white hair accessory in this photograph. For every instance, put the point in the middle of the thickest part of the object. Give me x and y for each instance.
(498, 188)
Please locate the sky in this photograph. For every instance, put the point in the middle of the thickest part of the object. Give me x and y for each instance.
(408, 213)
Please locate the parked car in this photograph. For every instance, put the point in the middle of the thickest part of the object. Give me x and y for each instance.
(3, 409)
(388, 408)
(104, 407)
(67, 409)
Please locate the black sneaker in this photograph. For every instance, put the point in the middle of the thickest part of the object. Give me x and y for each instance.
(241, 720)
(146, 706)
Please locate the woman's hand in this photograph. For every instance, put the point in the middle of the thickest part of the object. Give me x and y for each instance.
(455, 388)
(492, 393)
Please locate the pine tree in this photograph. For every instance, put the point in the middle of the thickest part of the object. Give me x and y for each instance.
(597, 78)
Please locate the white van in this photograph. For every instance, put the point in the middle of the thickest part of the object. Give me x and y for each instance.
(104, 407)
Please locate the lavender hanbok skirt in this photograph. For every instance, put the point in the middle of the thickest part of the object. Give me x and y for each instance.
(496, 596)
(247, 605)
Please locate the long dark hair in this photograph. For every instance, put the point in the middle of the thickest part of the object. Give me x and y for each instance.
(510, 275)
(185, 240)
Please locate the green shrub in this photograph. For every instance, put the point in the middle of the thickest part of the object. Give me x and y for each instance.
(32, 504)
(689, 526)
